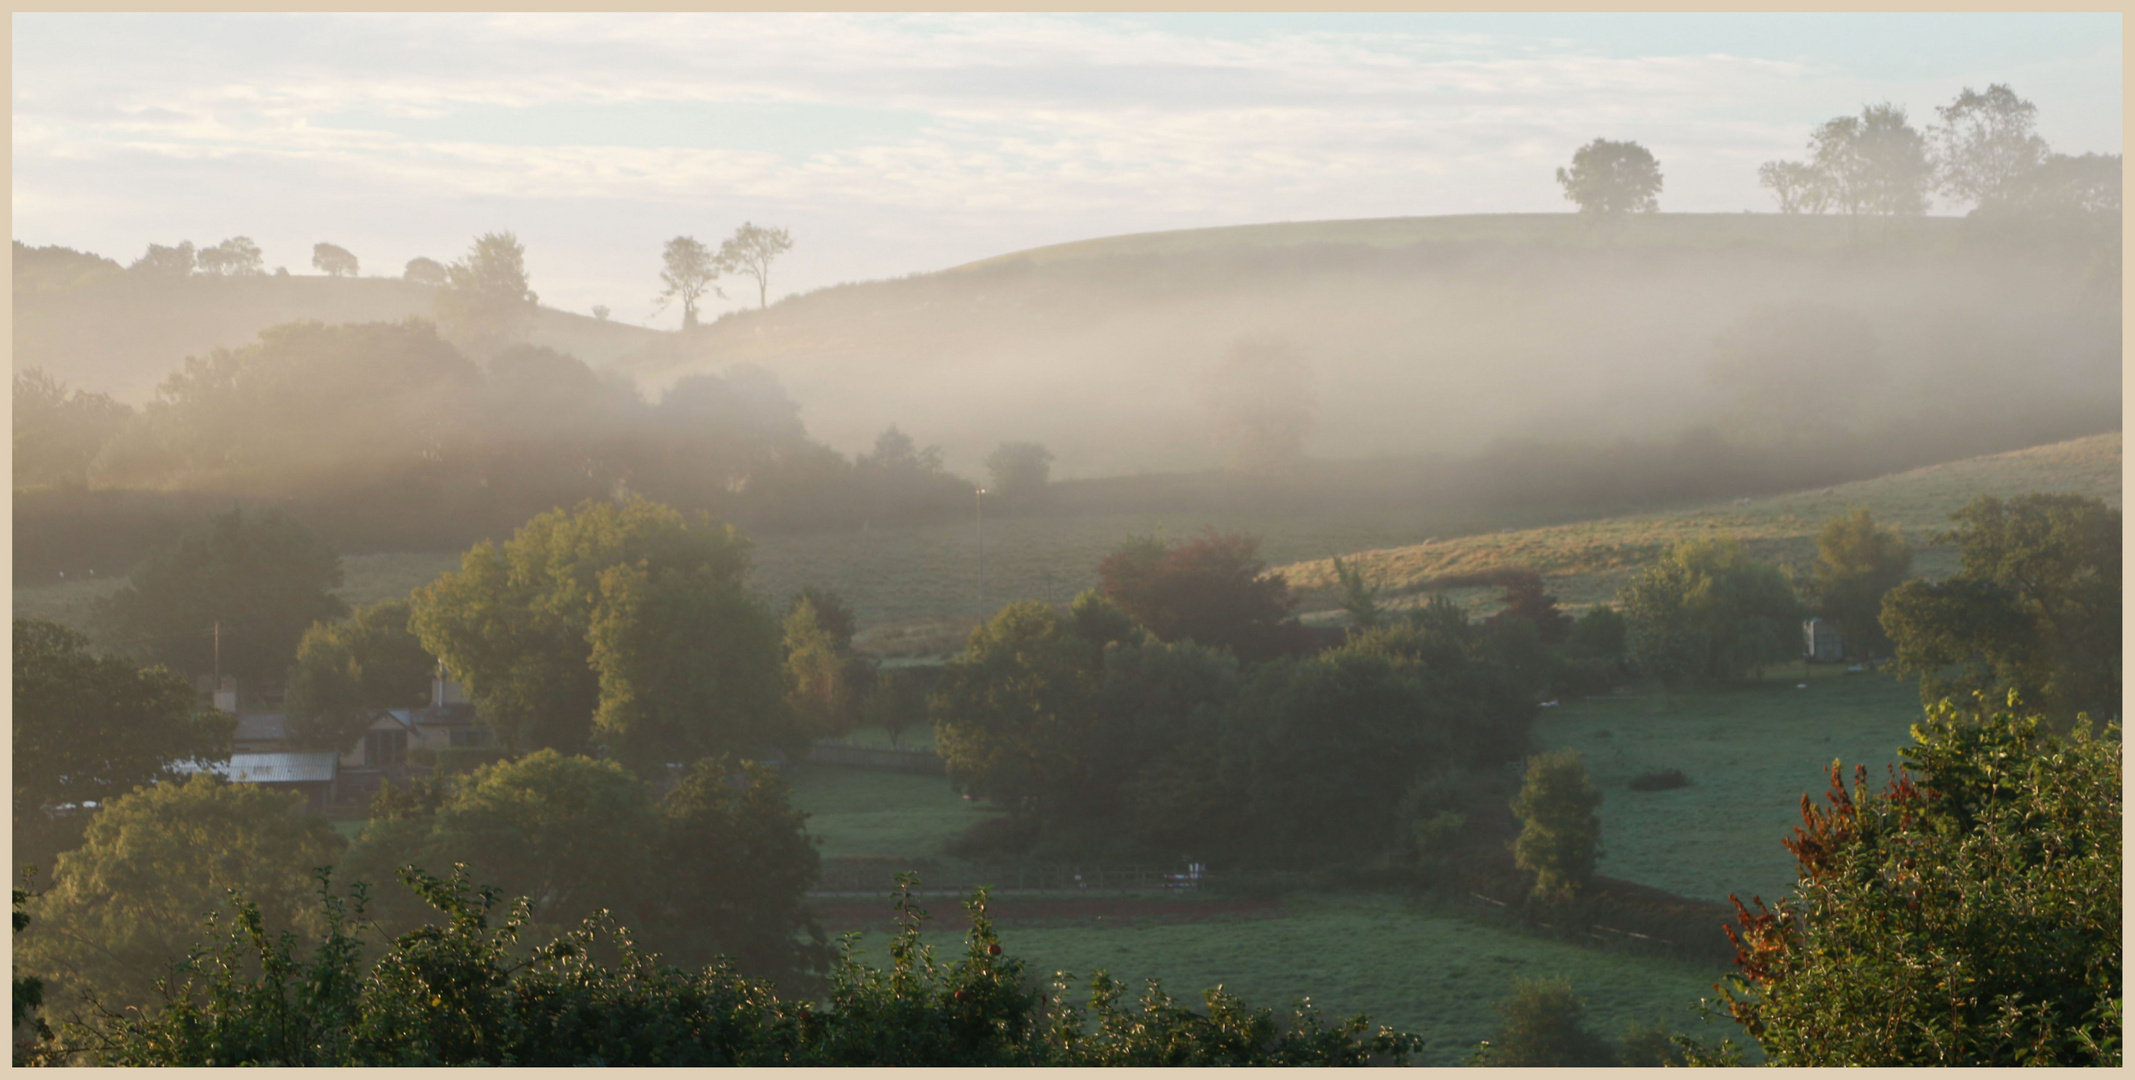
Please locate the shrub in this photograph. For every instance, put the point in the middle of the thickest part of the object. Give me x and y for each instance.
(1659, 781)
(1544, 1027)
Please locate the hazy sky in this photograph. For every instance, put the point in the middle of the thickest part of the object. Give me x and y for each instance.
(893, 144)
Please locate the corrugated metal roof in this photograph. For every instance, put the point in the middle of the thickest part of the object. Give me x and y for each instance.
(314, 767)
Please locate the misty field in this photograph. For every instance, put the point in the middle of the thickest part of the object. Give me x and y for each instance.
(1588, 562)
(1433, 973)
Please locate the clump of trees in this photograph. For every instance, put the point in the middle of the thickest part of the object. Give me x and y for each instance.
(1100, 737)
(1020, 471)
(1984, 153)
(333, 260)
(1968, 913)
(1709, 613)
(235, 594)
(59, 432)
(624, 626)
(486, 303)
(1609, 178)
(2034, 608)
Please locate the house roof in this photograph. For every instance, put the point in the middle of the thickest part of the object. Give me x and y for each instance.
(318, 766)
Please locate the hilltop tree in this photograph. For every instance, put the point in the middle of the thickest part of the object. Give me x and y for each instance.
(167, 262)
(486, 300)
(690, 271)
(2033, 609)
(236, 257)
(345, 671)
(1857, 562)
(1560, 829)
(426, 271)
(751, 251)
(1985, 141)
(1608, 178)
(1798, 186)
(333, 260)
(261, 577)
(1967, 914)
(1874, 163)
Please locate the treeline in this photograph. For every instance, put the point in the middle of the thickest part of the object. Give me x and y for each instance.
(387, 434)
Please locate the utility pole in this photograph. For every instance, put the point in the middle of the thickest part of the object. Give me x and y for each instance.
(218, 654)
(978, 503)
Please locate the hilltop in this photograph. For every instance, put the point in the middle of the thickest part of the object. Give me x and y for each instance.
(1588, 562)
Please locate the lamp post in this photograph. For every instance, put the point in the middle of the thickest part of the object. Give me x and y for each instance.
(978, 505)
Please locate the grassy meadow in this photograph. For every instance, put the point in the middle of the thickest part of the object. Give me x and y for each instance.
(1432, 973)
(1750, 754)
(1588, 562)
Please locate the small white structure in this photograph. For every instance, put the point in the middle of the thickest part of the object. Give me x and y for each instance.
(316, 773)
(1821, 641)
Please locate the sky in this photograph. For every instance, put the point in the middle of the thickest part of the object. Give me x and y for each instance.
(897, 144)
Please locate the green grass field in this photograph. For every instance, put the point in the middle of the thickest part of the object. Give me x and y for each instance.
(1428, 972)
(858, 812)
(1588, 562)
(1750, 755)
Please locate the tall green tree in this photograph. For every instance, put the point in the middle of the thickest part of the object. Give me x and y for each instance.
(259, 576)
(1968, 913)
(1857, 562)
(1608, 178)
(1011, 706)
(1708, 612)
(333, 260)
(345, 671)
(1560, 827)
(2034, 607)
(127, 904)
(736, 863)
(819, 694)
(626, 610)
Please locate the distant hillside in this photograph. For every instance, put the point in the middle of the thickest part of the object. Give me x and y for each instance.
(99, 328)
(1427, 335)
(1409, 336)
(1589, 562)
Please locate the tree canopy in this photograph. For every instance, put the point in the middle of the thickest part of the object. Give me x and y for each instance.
(1984, 142)
(751, 251)
(2034, 607)
(1710, 612)
(333, 260)
(1857, 563)
(58, 432)
(1213, 589)
(689, 271)
(486, 302)
(614, 623)
(1610, 178)
(236, 592)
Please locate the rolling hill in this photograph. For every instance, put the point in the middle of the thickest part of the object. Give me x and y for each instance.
(1405, 336)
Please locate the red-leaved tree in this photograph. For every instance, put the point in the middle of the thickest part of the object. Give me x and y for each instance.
(1213, 589)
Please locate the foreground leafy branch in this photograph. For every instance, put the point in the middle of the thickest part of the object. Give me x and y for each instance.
(461, 993)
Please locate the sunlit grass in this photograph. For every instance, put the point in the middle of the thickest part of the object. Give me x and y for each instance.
(1589, 562)
(863, 812)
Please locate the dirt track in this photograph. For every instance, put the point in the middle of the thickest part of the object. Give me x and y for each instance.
(836, 915)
